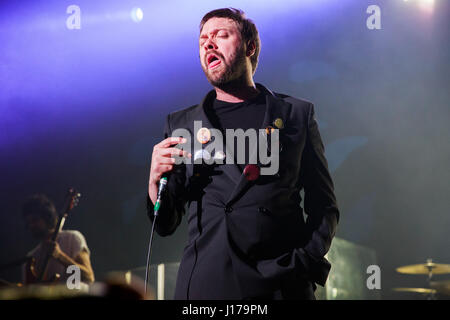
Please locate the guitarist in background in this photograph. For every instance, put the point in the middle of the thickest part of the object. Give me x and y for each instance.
(70, 247)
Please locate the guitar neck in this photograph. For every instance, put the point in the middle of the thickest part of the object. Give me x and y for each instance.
(59, 226)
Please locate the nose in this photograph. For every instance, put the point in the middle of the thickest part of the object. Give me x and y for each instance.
(209, 44)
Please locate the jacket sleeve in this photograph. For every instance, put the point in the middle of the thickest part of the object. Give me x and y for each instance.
(322, 216)
(174, 199)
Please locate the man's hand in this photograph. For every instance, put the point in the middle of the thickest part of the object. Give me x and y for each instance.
(162, 162)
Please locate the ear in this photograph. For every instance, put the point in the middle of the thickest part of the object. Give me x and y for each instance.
(251, 48)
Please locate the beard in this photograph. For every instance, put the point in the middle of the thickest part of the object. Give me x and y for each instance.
(233, 69)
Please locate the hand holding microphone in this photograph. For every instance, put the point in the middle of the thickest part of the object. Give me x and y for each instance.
(162, 164)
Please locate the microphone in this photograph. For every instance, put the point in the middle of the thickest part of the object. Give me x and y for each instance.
(161, 189)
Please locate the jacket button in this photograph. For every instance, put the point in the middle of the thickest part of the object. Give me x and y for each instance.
(228, 209)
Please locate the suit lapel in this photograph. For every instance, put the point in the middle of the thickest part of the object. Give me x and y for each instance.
(199, 114)
(275, 108)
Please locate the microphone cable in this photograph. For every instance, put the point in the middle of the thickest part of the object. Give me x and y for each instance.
(161, 189)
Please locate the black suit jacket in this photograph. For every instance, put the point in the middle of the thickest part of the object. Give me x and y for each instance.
(252, 239)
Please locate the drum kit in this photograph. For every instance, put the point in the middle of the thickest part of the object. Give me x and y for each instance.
(441, 288)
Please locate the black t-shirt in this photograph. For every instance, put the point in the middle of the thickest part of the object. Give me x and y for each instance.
(241, 115)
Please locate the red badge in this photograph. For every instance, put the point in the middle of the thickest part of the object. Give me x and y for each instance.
(251, 172)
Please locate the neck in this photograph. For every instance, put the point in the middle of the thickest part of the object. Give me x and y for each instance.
(237, 91)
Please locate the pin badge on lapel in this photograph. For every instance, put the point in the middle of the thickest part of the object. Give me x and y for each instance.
(203, 135)
(219, 155)
(251, 172)
(278, 122)
(269, 130)
(202, 154)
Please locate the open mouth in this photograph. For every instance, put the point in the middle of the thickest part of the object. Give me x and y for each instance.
(213, 61)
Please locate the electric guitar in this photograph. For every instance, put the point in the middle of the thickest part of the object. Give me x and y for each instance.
(32, 275)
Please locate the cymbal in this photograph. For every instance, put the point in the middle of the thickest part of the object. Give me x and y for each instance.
(418, 290)
(425, 268)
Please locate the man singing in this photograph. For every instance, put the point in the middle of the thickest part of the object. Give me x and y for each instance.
(248, 238)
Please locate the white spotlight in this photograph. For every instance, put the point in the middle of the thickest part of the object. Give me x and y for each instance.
(137, 14)
(427, 5)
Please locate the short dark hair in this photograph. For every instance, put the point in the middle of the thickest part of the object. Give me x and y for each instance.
(247, 27)
(40, 205)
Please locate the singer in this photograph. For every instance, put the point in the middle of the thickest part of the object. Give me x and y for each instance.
(248, 236)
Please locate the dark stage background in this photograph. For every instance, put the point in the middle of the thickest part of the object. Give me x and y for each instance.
(84, 108)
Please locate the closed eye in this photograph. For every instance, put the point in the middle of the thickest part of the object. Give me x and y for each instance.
(222, 33)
